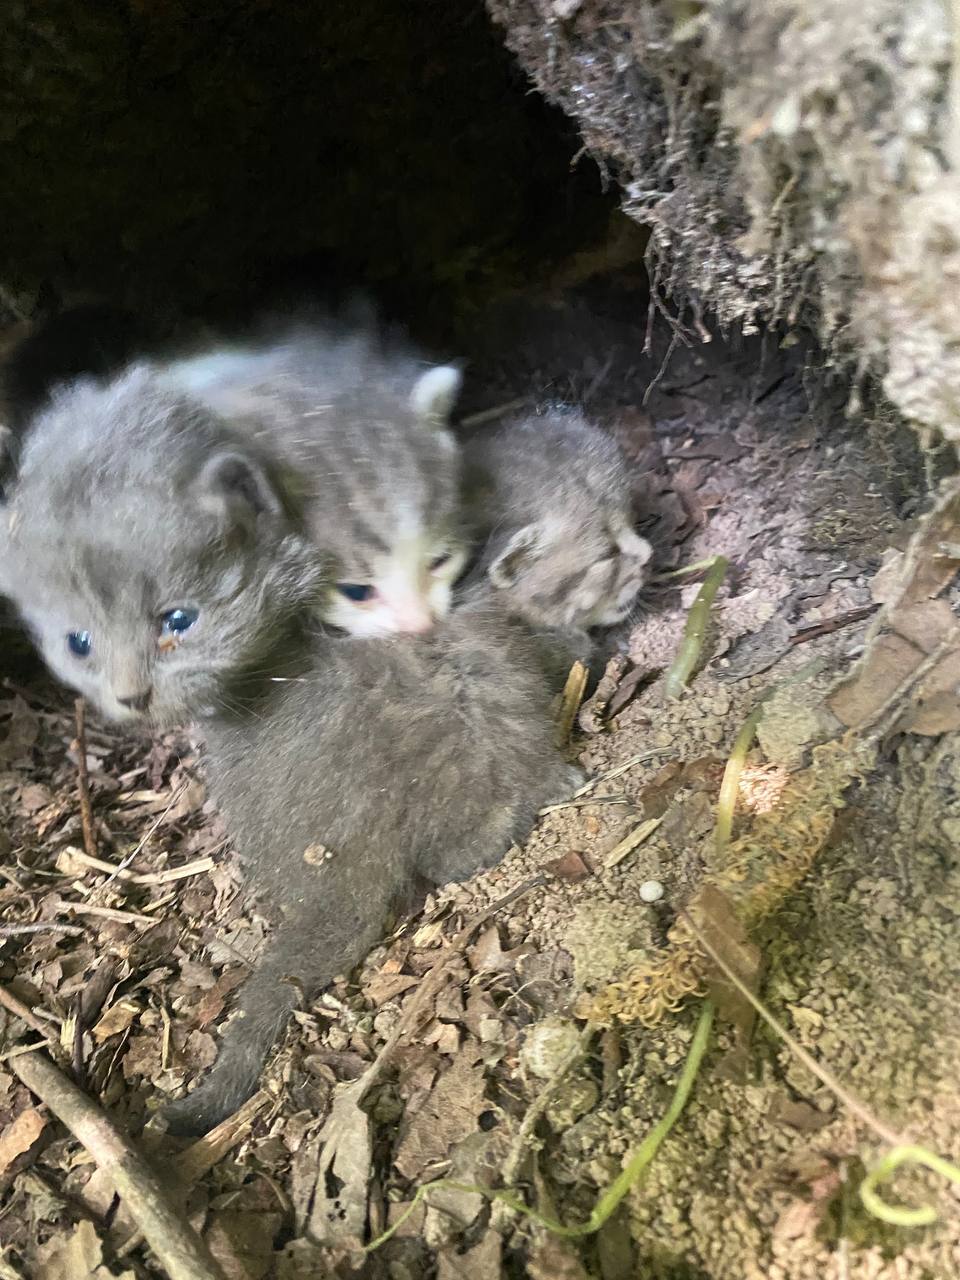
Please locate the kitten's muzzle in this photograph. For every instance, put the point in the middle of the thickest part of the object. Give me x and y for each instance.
(138, 701)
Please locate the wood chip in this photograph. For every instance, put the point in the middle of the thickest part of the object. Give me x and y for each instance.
(631, 841)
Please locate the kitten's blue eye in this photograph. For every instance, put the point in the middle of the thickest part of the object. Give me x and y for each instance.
(80, 643)
(439, 562)
(357, 591)
(176, 621)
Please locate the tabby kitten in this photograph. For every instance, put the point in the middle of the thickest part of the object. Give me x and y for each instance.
(366, 427)
(551, 493)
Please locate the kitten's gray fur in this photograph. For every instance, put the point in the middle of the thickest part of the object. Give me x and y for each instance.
(551, 492)
(401, 757)
(365, 427)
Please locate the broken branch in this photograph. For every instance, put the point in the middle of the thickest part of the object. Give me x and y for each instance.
(177, 1247)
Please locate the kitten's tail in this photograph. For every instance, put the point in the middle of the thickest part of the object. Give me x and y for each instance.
(300, 958)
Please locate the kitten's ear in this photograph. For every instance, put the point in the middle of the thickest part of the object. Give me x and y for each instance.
(435, 392)
(237, 488)
(509, 564)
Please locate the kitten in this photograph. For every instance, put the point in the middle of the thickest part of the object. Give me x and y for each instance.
(551, 493)
(164, 568)
(367, 426)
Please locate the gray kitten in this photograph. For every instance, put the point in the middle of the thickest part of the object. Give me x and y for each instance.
(365, 426)
(551, 493)
(163, 566)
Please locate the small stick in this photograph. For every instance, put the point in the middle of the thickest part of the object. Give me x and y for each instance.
(83, 780)
(122, 866)
(106, 913)
(631, 841)
(42, 926)
(117, 872)
(202, 1155)
(176, 1245)
(20, 1010)
(489, 415)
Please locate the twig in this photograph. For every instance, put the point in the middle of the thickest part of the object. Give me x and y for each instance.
(695, 630)
(106, 913)
(536, 1109)
(828, 625)
(631, 841)
(41, 926)
(83, 781)
(489, 415)
(122, 866)
(201, 1156)
(21, 1011)
(27, 1048)
(177, 1247)
(117, 872)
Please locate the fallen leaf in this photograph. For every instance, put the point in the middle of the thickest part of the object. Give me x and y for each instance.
(212, 1003)
(487, 955)
(875, 680)
(451, 1112)
(386, 986)
(116, 1019)
(343, 1155)
(798, 1115)
(554, 1259)
(570, 866)
(482, 1262)
(714, 914)
(242, 1243)
(18, 1137)
(76, 1256)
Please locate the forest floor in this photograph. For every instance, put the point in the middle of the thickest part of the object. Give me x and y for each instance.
(740, 451)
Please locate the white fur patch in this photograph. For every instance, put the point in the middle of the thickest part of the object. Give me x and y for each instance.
(435, 392)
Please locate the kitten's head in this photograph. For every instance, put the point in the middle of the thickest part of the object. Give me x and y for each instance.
(392, 518)
(155, 559)
(368, 427)
(588, 579)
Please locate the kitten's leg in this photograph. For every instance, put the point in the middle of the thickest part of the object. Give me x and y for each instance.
(306, 952)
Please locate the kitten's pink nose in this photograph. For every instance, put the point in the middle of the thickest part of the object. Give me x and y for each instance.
(412, 616)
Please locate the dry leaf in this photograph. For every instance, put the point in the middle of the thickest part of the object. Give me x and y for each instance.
(450, 1113)
(714, 915)
(77, 1256)
(570, 867)
(20, 1136)
(116, 1019)
(343, 1165)
(482, 1262)
(386, 986)
(212, 1002)
(885, 667)
(242, 1243)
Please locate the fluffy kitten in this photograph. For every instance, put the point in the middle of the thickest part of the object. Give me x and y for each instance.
(366, 426)
(164, 568)
(551, 493)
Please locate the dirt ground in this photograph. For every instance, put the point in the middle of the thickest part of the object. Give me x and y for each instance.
(740, 450)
